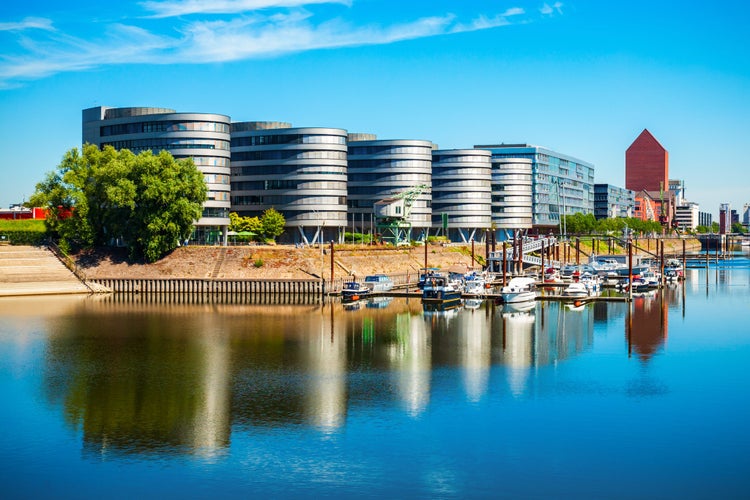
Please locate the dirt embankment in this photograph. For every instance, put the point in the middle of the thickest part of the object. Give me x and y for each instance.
(284, 262)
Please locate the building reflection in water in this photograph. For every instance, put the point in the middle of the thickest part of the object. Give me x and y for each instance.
(646, 328)
(179, 377)
(410, 362)
(325, 361)
(518, 346)
(474, 352)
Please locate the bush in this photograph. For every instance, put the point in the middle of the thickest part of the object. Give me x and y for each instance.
(258, 263)
(23, 232)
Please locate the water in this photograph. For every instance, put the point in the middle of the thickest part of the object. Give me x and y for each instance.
(135, 398)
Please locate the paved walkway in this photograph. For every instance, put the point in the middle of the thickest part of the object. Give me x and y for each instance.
(27, 270)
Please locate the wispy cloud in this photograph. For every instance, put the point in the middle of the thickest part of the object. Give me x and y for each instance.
(175, 8)
(548, 9)
(28, 24)
(246, 29)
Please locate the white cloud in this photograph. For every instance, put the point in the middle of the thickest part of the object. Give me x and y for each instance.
(229, 38)
(548, 9)
(28, 23)
(181, 8)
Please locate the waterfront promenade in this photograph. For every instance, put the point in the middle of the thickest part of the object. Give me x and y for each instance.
(29, 270)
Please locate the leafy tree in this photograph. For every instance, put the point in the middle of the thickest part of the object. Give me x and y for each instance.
(737, 227)
(149, 200)
(700, 229)
(273, 223)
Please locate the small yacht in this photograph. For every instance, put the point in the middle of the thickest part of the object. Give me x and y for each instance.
(519, 289)
(576, 290)
(439, 293)
(354, 290)
(379, 283)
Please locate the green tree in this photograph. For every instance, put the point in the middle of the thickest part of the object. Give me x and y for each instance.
(273, 223)
(149, 200)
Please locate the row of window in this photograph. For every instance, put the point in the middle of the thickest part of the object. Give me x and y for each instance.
(388, 164)
(287, 155)
(216, 178)
(264, 140)
(218, 195)
(406, 178)
(267, 170)
(282, 200)
(215, 212)
(210, 161)
(162, 126)
(157, 144)
(391, 150)
(461, 159)
(288, 184)
(438, 183)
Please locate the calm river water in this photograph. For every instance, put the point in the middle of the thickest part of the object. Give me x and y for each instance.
(108, 397)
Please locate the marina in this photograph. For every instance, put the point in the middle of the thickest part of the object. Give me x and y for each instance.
(380, 397)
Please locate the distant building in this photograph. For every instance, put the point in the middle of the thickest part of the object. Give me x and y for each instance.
(647, 169)
(300, 172)
(725, 222)
(613, 201)
(746, 216)
(677, 188)
(561, 184)
(204, 137)
(687, 216)
(461, 193)
(705, 219)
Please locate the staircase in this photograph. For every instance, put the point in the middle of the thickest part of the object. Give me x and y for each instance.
(28, 270)
(527, 248)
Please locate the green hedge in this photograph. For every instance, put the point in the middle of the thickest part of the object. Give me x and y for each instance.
(23, 232)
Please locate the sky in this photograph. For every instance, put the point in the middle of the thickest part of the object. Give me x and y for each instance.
(580, 77)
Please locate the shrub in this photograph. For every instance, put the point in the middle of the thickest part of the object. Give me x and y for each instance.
(258, 263)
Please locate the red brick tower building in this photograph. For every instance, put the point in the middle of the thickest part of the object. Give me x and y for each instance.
(646, 164)
(647, 173)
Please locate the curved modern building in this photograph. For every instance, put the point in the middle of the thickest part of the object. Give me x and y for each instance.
(204, 137)
(461, 193)
(382, 169)
(301, 172)
(512, 180)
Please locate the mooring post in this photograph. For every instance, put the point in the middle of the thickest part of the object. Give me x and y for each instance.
(505, 263)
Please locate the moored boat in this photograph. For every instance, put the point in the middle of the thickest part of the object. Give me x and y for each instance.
(439, 293)
(354, 290)
(379, 283)
(576, 290)
(519, 289)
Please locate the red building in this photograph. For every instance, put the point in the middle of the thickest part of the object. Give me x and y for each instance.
(647, 173)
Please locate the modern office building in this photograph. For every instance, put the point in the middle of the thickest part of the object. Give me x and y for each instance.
(384, 169)
(300, 172)
(677, 189)
(687, 216)
(705, 219)
(725, 221)
(561, 184)
(204, 137)
(746, 216)
(612, 201)
(512, 195)
(461, 193)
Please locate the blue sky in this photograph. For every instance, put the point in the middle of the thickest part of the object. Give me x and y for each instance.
(580, 77)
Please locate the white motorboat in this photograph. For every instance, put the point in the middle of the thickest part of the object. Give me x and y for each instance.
(576, 290)
(379, 283)
(520, 289)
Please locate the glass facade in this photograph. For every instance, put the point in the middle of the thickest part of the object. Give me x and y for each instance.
(203, 137)
(613, 201)
(380, 169)
(561, 184)
(301, 172)
(512, 193)
(461, 193)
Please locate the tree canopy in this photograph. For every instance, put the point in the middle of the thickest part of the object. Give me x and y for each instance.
(587, 224)
(267, 227)
(149, 200)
